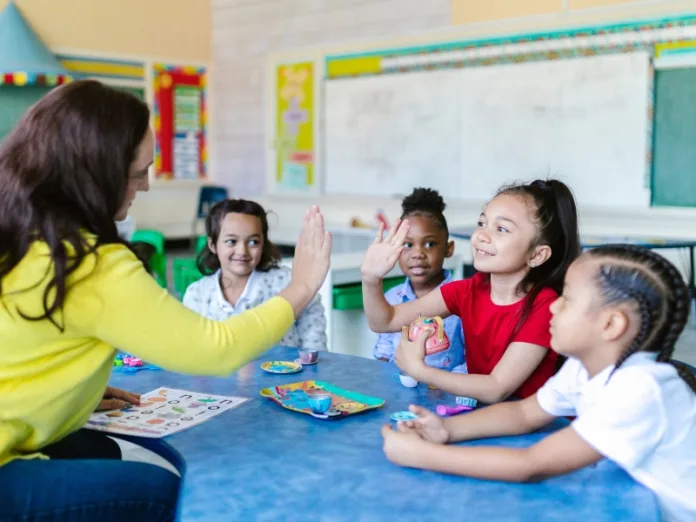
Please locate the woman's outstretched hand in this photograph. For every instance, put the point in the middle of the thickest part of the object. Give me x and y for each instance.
(311, 261)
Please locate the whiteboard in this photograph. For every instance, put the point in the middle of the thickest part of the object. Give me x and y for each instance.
(388, 134)
(468, 131)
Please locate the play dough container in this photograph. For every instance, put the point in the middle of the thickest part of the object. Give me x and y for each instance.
(438, 342)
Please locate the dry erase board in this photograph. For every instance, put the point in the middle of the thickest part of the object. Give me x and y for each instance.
(467, 131)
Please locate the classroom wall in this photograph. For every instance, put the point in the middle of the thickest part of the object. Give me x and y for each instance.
(244, 32)
(176, 29)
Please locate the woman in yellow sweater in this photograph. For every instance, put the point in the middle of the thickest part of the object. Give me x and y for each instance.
(71, 290)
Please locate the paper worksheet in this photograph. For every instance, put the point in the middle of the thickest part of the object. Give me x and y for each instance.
(162, 412)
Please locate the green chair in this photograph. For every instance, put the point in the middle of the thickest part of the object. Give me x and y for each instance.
(185, 273)
(158, 261)
(201, 243)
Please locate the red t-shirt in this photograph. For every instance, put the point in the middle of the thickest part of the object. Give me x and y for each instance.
(488, 327)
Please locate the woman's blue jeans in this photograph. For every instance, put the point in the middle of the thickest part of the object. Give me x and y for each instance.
(86, 489)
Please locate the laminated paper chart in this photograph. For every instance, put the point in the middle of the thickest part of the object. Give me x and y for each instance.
(294, 140)
(162, 412)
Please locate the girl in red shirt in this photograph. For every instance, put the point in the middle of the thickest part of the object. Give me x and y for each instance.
(526, 238)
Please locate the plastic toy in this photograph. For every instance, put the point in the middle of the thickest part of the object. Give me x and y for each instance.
(438, 342)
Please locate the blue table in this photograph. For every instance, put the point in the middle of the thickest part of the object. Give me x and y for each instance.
(262, 462)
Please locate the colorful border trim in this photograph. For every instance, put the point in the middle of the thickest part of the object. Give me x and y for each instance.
(527, 47)
(103, 68)
(21, 78)
(165, 78)
(675, 48)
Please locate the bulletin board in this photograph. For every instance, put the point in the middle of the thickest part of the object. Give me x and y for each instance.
(295, 127)
(179, 114)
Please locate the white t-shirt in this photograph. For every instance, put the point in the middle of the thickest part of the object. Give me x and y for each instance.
(643, 418)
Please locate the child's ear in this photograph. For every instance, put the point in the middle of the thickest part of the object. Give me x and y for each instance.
(615, 323)
(540, 255)
(211, 246)
(449, 252)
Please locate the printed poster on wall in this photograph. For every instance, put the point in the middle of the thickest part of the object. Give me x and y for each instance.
(295, 126)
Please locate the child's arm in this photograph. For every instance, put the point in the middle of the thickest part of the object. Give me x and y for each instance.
(557, 454)
(418, 444)
(383, 317)
(498, 420)
(517, 364)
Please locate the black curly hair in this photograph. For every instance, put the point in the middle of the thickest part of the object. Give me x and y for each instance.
(425, 202)
(631, 274)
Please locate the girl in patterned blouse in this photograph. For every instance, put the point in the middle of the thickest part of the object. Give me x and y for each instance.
(243, 270)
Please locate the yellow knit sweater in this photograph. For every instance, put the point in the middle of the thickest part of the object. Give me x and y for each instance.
(51, 381)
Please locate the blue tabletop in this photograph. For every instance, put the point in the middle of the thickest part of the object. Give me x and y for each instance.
(262, 462)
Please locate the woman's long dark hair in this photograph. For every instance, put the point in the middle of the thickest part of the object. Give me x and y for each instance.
(63, 172)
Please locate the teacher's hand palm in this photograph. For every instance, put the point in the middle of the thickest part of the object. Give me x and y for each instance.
(312, 253)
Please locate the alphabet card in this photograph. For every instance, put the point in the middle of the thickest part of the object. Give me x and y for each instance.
(162, 412)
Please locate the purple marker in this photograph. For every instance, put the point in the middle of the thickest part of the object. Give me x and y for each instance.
(449, 411)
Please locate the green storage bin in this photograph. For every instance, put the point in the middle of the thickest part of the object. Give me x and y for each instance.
(158, 261)
(185, 273)
(349, 297)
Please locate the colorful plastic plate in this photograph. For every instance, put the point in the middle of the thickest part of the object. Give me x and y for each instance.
(294, 397)
(281, 367)
(403, 416)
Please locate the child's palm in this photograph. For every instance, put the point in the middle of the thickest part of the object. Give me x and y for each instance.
(382, 255)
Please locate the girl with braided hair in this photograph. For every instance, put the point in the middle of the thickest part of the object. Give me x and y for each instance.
(618, 319)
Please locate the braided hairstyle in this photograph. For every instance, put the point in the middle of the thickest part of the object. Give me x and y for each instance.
(631, 274)
(425, 202)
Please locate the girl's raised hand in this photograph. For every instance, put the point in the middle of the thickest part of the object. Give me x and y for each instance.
(384, 252)
(428, 425)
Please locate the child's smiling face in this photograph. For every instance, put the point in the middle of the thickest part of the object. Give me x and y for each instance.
(425, 249)
(502, 242)
(240, 244)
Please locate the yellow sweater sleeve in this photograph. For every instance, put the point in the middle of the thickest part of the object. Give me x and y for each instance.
(121, 304)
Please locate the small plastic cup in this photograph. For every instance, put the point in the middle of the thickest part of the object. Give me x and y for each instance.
(406, 380)
(308, 356)
(319, 402)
